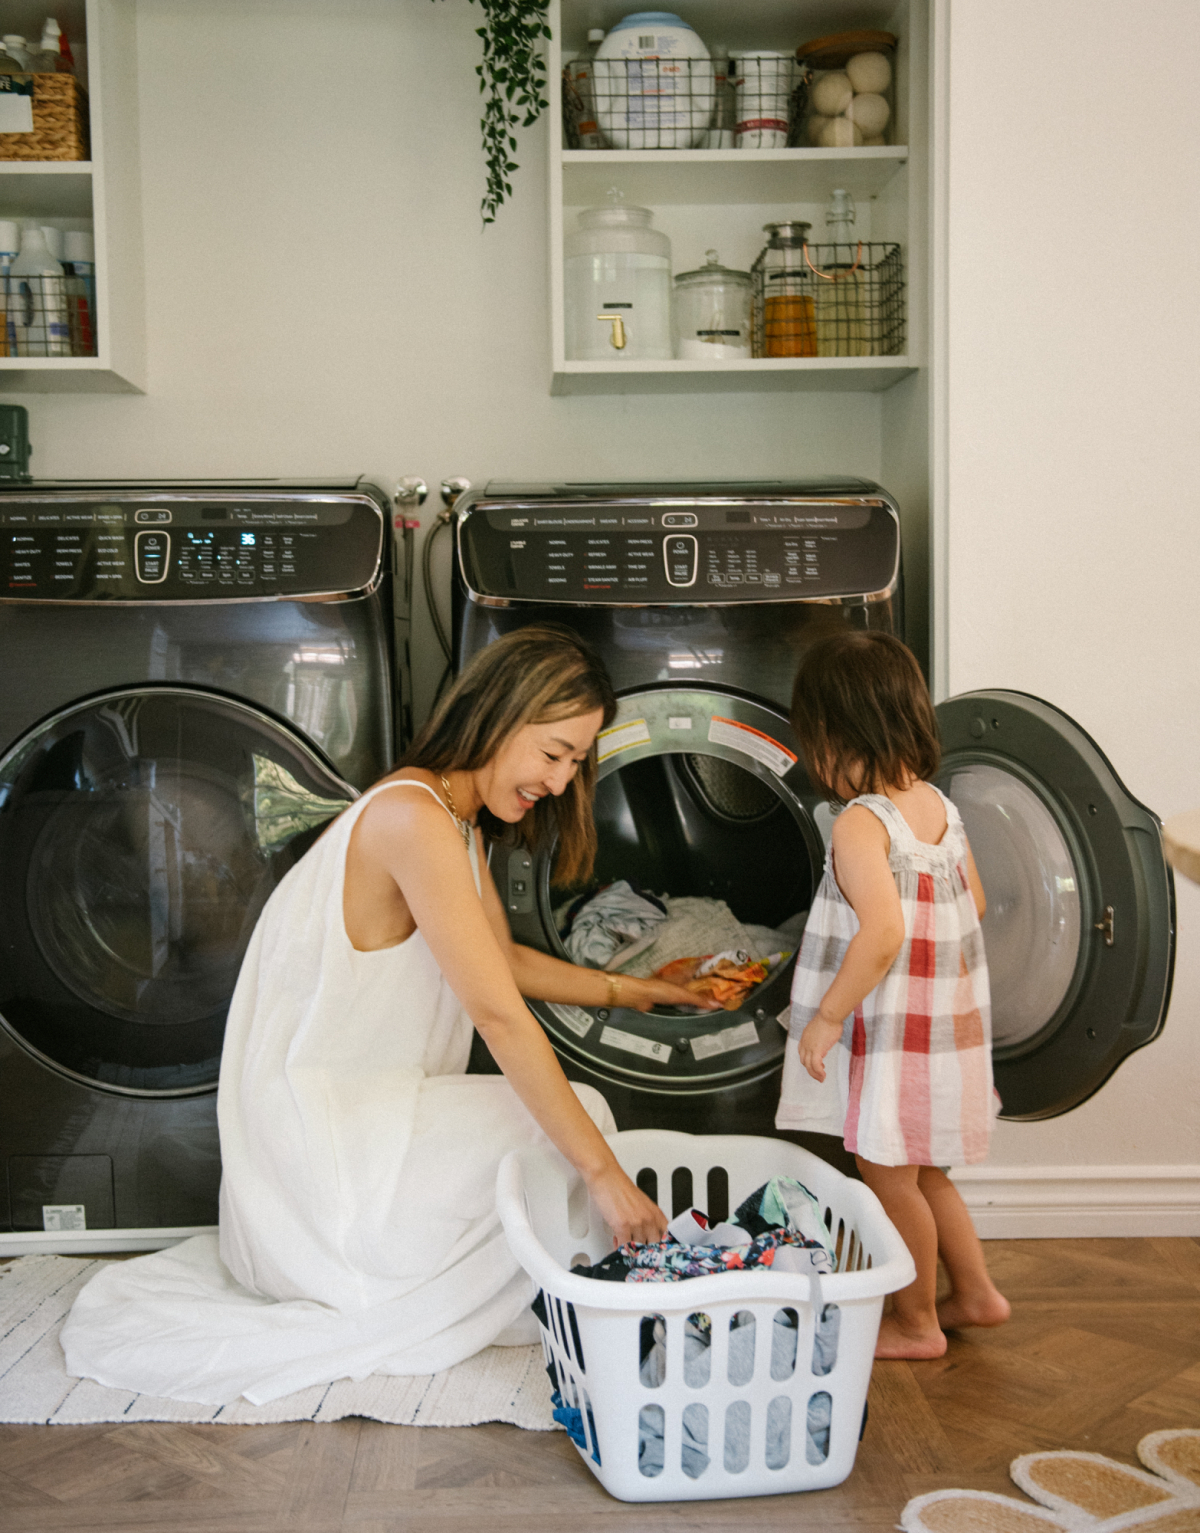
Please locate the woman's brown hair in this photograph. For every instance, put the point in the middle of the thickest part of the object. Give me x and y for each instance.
(533, 676)
(863, 715)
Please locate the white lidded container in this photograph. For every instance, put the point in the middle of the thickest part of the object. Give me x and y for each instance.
(713, 312)
(617, 277)
(37, 300)
(654, 83)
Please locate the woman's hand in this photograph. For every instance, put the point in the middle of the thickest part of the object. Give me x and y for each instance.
(627, 1211)
(641, 994)
(815, 1042)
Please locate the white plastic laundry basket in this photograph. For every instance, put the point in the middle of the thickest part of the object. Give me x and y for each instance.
(775, 1401)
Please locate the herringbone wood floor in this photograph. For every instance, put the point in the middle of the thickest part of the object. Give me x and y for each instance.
(1104, 1347)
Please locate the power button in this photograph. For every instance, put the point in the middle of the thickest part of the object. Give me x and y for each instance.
(152, 555)
(681, 554)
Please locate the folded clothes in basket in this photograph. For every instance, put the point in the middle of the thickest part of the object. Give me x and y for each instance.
(779, 1224)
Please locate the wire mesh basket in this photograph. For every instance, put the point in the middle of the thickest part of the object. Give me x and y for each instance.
(756, 102)
(47, 317)
(844, 301)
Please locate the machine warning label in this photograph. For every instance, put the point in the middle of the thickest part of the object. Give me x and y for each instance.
(64, 1216)
(579, 1021)
(621, 737)
(709, 1045)
(751, 742)
(632, 1044)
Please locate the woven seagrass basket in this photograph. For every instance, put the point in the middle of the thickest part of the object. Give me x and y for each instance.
(60, 122)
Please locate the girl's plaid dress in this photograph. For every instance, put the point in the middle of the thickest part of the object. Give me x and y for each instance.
(912, 1074)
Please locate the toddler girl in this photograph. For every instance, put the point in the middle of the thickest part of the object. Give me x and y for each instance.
(892, 975)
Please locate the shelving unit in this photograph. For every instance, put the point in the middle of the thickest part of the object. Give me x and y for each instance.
(706, 198)
(102, 195)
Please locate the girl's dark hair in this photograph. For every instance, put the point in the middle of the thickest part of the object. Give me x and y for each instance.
(863, 715)
(533, 676)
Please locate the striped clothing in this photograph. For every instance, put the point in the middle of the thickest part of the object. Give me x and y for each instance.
(911, 1079)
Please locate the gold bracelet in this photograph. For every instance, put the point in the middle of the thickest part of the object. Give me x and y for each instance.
(612, 990)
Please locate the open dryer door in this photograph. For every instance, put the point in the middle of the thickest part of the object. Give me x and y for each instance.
(141, 832)
(1080, 922)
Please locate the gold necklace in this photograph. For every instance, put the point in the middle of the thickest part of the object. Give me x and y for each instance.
(464, 828)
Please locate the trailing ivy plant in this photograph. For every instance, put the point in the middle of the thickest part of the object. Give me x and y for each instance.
(512, 76)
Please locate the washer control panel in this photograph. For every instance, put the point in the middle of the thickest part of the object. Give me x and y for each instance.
(766, 550)
(61, 547)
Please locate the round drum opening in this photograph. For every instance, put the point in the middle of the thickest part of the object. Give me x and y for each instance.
(1034, 917)
(718, 849)
(141, 833)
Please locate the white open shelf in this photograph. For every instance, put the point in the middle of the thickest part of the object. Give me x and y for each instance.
(101, 194)
(721, 198)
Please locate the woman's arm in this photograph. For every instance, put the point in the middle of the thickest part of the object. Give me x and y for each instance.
(860, 853)
(415, 841)
(543, 978)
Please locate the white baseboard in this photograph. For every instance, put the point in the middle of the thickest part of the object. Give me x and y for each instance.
(1041, 1202)
(94, 1242)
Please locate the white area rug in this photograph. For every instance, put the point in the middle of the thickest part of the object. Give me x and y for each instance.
(499, 1384)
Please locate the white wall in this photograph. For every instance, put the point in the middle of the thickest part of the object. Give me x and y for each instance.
(1073, 379)
(321, 299)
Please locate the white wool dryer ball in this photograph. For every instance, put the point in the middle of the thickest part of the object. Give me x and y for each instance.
(831, 94)
(869, 73)
(870, 113)
(816, 126)
(840, 133)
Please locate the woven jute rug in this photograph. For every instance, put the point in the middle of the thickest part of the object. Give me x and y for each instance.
(1077, 1491)
(499, 1384)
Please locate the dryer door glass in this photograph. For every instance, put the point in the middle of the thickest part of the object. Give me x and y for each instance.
(707, 845)
(1079, 929)
(141, 833)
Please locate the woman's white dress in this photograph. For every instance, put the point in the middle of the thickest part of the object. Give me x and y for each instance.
(358, 1224)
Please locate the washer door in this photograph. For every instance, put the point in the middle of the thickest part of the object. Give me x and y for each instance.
(1080, 923)
(699, 795)
(141, 832)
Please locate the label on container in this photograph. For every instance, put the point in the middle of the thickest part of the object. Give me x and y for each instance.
(621, 737)
(709, 1045)
(579, 1021)
(64, 1216)
(752, 742)
(630, 1043)
(16, 105)
(679, 723)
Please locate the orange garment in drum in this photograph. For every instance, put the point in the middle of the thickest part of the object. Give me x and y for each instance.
(720, 978)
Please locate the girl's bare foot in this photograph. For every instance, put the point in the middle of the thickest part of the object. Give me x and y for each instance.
(987, 1307)
(894, 1341)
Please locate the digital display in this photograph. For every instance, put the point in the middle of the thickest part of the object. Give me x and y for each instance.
(247, 540)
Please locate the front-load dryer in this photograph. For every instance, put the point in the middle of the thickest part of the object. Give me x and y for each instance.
(195, 679)
(701, 599)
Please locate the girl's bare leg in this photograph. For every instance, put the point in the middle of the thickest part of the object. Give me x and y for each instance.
(973, 1299)
(912, 1329)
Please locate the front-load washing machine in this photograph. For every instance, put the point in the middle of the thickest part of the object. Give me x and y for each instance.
(195, 679)
(701, 599)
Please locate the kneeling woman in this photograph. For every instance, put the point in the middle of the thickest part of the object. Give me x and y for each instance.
(359, 1231)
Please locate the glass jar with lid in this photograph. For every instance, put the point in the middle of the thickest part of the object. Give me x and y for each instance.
(712, 312)
(617, 278)
(785, 321)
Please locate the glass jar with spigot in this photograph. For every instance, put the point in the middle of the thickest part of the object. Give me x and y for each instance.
(617, 274)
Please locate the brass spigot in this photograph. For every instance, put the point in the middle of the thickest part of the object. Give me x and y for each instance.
(617, 335)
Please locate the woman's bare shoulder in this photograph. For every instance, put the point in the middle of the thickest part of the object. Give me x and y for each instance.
(421, 804)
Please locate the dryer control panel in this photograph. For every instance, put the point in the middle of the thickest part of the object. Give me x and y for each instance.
(702, 551)
(131, 546)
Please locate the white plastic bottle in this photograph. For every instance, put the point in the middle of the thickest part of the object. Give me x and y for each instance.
(38, 299)
(51, 59)
(15, 45)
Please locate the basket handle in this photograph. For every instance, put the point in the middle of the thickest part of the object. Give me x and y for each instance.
(828, 276)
